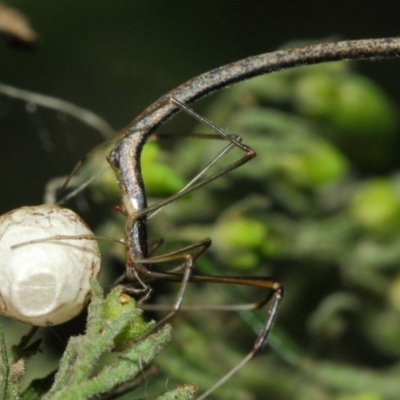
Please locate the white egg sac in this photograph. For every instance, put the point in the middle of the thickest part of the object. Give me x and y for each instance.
(45, 283)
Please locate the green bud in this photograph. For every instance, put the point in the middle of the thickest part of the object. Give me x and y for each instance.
(317, 164)
(239, 241)
(150, 153)
(160, 180)
(362, 108)
(241, 233)
(118, 303)
(375, 205)
(315, 93)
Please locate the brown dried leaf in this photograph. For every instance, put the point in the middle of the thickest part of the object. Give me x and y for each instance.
(16, 26)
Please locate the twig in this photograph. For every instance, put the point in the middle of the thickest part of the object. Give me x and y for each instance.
(87, 117)
(219, 78)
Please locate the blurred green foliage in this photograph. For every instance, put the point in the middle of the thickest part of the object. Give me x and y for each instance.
(319, 209)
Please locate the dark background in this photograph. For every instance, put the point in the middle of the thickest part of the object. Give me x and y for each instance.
(116, 57)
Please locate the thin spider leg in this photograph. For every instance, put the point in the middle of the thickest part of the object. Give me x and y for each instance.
(196, 186)
(275, 292)
(53, 186)
(69, 237)
(259, 342)
(255, 305)
(153, 246)
(232, 138)
(187, 267)
(202, 245)
(140, 270)
(156, 245)
(143, 274)
(125, 160)
(79, 188)
(192, 182)
(173, 136)
(77, 166)
(72, 174)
